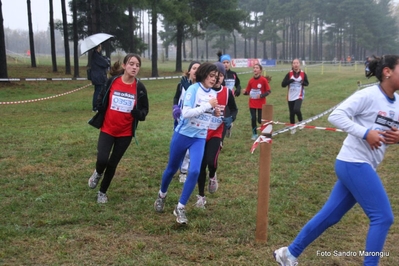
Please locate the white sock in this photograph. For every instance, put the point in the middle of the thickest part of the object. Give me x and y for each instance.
(163, 195)
(290, 256)
(180, 206)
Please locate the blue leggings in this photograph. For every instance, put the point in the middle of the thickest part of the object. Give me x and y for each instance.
(178, 147)
(357, 183)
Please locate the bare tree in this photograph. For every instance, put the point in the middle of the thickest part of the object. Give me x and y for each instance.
(3, 55)
(75, 39)
(130, 32)
(66, 38)
(154, 57)
(31, 39)
(52, 37)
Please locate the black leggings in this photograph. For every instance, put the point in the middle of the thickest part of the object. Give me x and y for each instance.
(106, 162)
(295, 109)
(210, 159)
(253, 112)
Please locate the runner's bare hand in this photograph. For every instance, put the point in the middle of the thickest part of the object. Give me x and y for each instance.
(375, 139)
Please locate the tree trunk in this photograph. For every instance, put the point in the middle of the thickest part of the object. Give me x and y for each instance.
(148, 35)
(303, 40)
(315, 40)
(249, 48)
(264, 50)
(283, 54)
(320, 50)
(310, 40)
(256, 37)
(3, 55)
(130, 32)
(154, 57)
(235, 45)
(184, 49)
(52, 37)
(66, 39)
(31, 39)
(96, 15)
(196, 45)
(191, 48)
(206, 46)
(75, 39)
(179, 43)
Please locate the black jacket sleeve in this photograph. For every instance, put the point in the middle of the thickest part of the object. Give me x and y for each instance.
(263, 95)
(231, 103)
(286, 81)
(177, 94)
(237, 84)
(142, 107)
(102, 99)
(305, 80)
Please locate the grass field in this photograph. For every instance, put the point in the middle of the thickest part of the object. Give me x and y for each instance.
(49, 216)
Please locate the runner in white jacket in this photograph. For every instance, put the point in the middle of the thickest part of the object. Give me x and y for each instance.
(370, 117)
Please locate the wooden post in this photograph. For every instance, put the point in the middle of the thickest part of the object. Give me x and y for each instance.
(264, 181)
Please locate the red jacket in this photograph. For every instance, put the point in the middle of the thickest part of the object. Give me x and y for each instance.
(257, 87)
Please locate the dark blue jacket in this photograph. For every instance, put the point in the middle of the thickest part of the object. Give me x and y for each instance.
(99, 67)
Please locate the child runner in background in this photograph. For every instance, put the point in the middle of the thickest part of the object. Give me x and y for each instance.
(257, 89)
(190, 134)
(231, 81)
(296, 79)
(185, 82)
(370, 117)
(216, 131)
(121, 105)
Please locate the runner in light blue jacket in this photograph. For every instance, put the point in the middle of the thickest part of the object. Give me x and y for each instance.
(190, 134)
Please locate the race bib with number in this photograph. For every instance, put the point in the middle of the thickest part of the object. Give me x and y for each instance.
(254, 93)
(122, 101)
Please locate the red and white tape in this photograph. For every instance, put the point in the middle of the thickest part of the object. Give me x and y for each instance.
(46, 98)
(266, 128)
(260, 139)
(300, 126)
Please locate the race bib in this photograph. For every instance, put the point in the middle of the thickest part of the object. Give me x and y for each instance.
(229, 83)
(202, 121)
(216, 121)
(122, 102)
(254, 93)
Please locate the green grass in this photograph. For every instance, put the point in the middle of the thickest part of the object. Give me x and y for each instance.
(49, 216)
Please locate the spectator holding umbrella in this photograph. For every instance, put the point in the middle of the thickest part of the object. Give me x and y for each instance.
(99, 66)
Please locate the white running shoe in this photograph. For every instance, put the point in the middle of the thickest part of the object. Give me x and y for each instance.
(213, 184)
(180, 214)
(182, 177)
(102, 197)
(281, 257)
(201, 201)
(159, 204)
(93, 180)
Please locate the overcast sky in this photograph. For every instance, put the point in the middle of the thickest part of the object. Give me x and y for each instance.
(15, 14)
